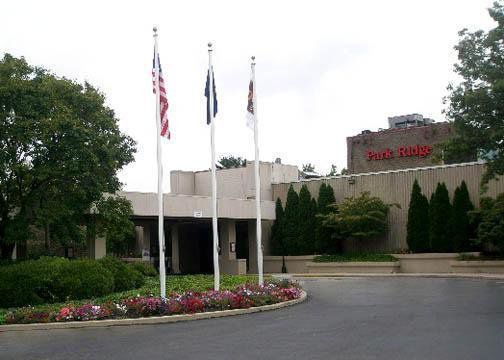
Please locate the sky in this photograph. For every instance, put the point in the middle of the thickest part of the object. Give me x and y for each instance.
(325, 70)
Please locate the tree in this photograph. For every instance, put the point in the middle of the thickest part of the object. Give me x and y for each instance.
(476, 104)
(60, 150)
(291, 222)
(462, 205)
(440, 214)
(326, 203)
(418, 221)
(308, 167)
(361, 218)
(229, 162)
(113, 222)
(491, 227)
(333, 171)
(306, 224)
(277, 230)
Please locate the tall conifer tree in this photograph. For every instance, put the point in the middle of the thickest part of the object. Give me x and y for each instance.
(324, 243)
(291, 221)
(461, 229)
(418, 221)
(440, 212)
(306, 223)
(277, 230)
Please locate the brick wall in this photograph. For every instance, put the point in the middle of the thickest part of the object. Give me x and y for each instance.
(395, 148)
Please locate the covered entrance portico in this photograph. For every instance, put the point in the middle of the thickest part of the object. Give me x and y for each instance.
(189, 244)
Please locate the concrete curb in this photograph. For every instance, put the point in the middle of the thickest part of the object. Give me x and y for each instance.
(425, 275)
(149, 320)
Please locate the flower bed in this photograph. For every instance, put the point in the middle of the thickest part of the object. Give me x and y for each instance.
(241, 297)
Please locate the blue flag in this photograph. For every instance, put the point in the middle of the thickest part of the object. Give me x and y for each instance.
(207, 94)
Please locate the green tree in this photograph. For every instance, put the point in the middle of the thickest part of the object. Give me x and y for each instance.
(229, 162)
(476, 104)
(333, 171)
(361, 218)
(462, 205)
(291, 223)
(306, 225)
(491, 227)
(60, 150)
(277, 230)
(418, 221)
(113, 222)
(308, 167)
(440, 215)
(326, 204)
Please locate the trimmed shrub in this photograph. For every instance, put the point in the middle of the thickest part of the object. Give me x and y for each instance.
(362, 218)
(277, 231)
(491, 227)
(291, 221)
(125, 277)
(143, 268)
(48, 280)
(418, 221)
(326, 201)
(440, 216)
(82, 279)
(462, 205)
(306, 224)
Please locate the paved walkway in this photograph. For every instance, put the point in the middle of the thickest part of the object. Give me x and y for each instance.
(350, 318)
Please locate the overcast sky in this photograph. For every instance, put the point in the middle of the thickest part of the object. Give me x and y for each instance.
(325, 69)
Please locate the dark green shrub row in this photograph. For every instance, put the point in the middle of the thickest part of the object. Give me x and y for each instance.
(49, 280)
(438, 225)
(297, 230)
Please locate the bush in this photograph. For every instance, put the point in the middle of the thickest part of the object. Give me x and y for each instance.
(363, 217)
(440, 220)
(125, 277)
(462, 231)
(82, 279)
(368, 257)
(418, 221)
(144, 268)
(49, 280)
(326, 203)
(491, 227)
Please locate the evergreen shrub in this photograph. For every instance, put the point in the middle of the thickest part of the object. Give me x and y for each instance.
(418, 221)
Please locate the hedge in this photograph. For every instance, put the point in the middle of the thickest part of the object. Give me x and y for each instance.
(50, 280)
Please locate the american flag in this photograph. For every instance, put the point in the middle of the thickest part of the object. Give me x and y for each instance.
(163, 100)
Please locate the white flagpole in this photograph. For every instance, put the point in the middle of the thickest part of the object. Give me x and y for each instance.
(162, 271)
(257, 180)
(214, 180)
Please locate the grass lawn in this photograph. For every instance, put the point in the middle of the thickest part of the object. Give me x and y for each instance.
(174, 283)
(355, 257)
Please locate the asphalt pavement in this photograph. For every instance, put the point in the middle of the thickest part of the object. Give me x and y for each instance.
(350, 318)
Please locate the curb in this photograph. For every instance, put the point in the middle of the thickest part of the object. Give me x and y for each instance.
(485, 276)
(150, 320)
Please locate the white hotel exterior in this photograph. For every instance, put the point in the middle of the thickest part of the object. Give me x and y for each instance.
(188, 214)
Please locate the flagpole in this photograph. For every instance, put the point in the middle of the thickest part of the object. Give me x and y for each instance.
(257, 180)
(162, 271)
(214, 180)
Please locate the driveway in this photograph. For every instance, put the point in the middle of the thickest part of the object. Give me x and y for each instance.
(351, 318)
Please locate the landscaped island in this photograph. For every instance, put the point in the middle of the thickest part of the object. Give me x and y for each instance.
(186, 294)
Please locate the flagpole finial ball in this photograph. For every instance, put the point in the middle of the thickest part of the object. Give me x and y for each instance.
(154, 29)
(210, 45)
(253, 58)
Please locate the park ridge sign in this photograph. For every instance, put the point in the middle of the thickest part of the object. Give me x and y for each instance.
(402, 151)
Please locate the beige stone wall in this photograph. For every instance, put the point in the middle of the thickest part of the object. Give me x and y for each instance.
(395, 187)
